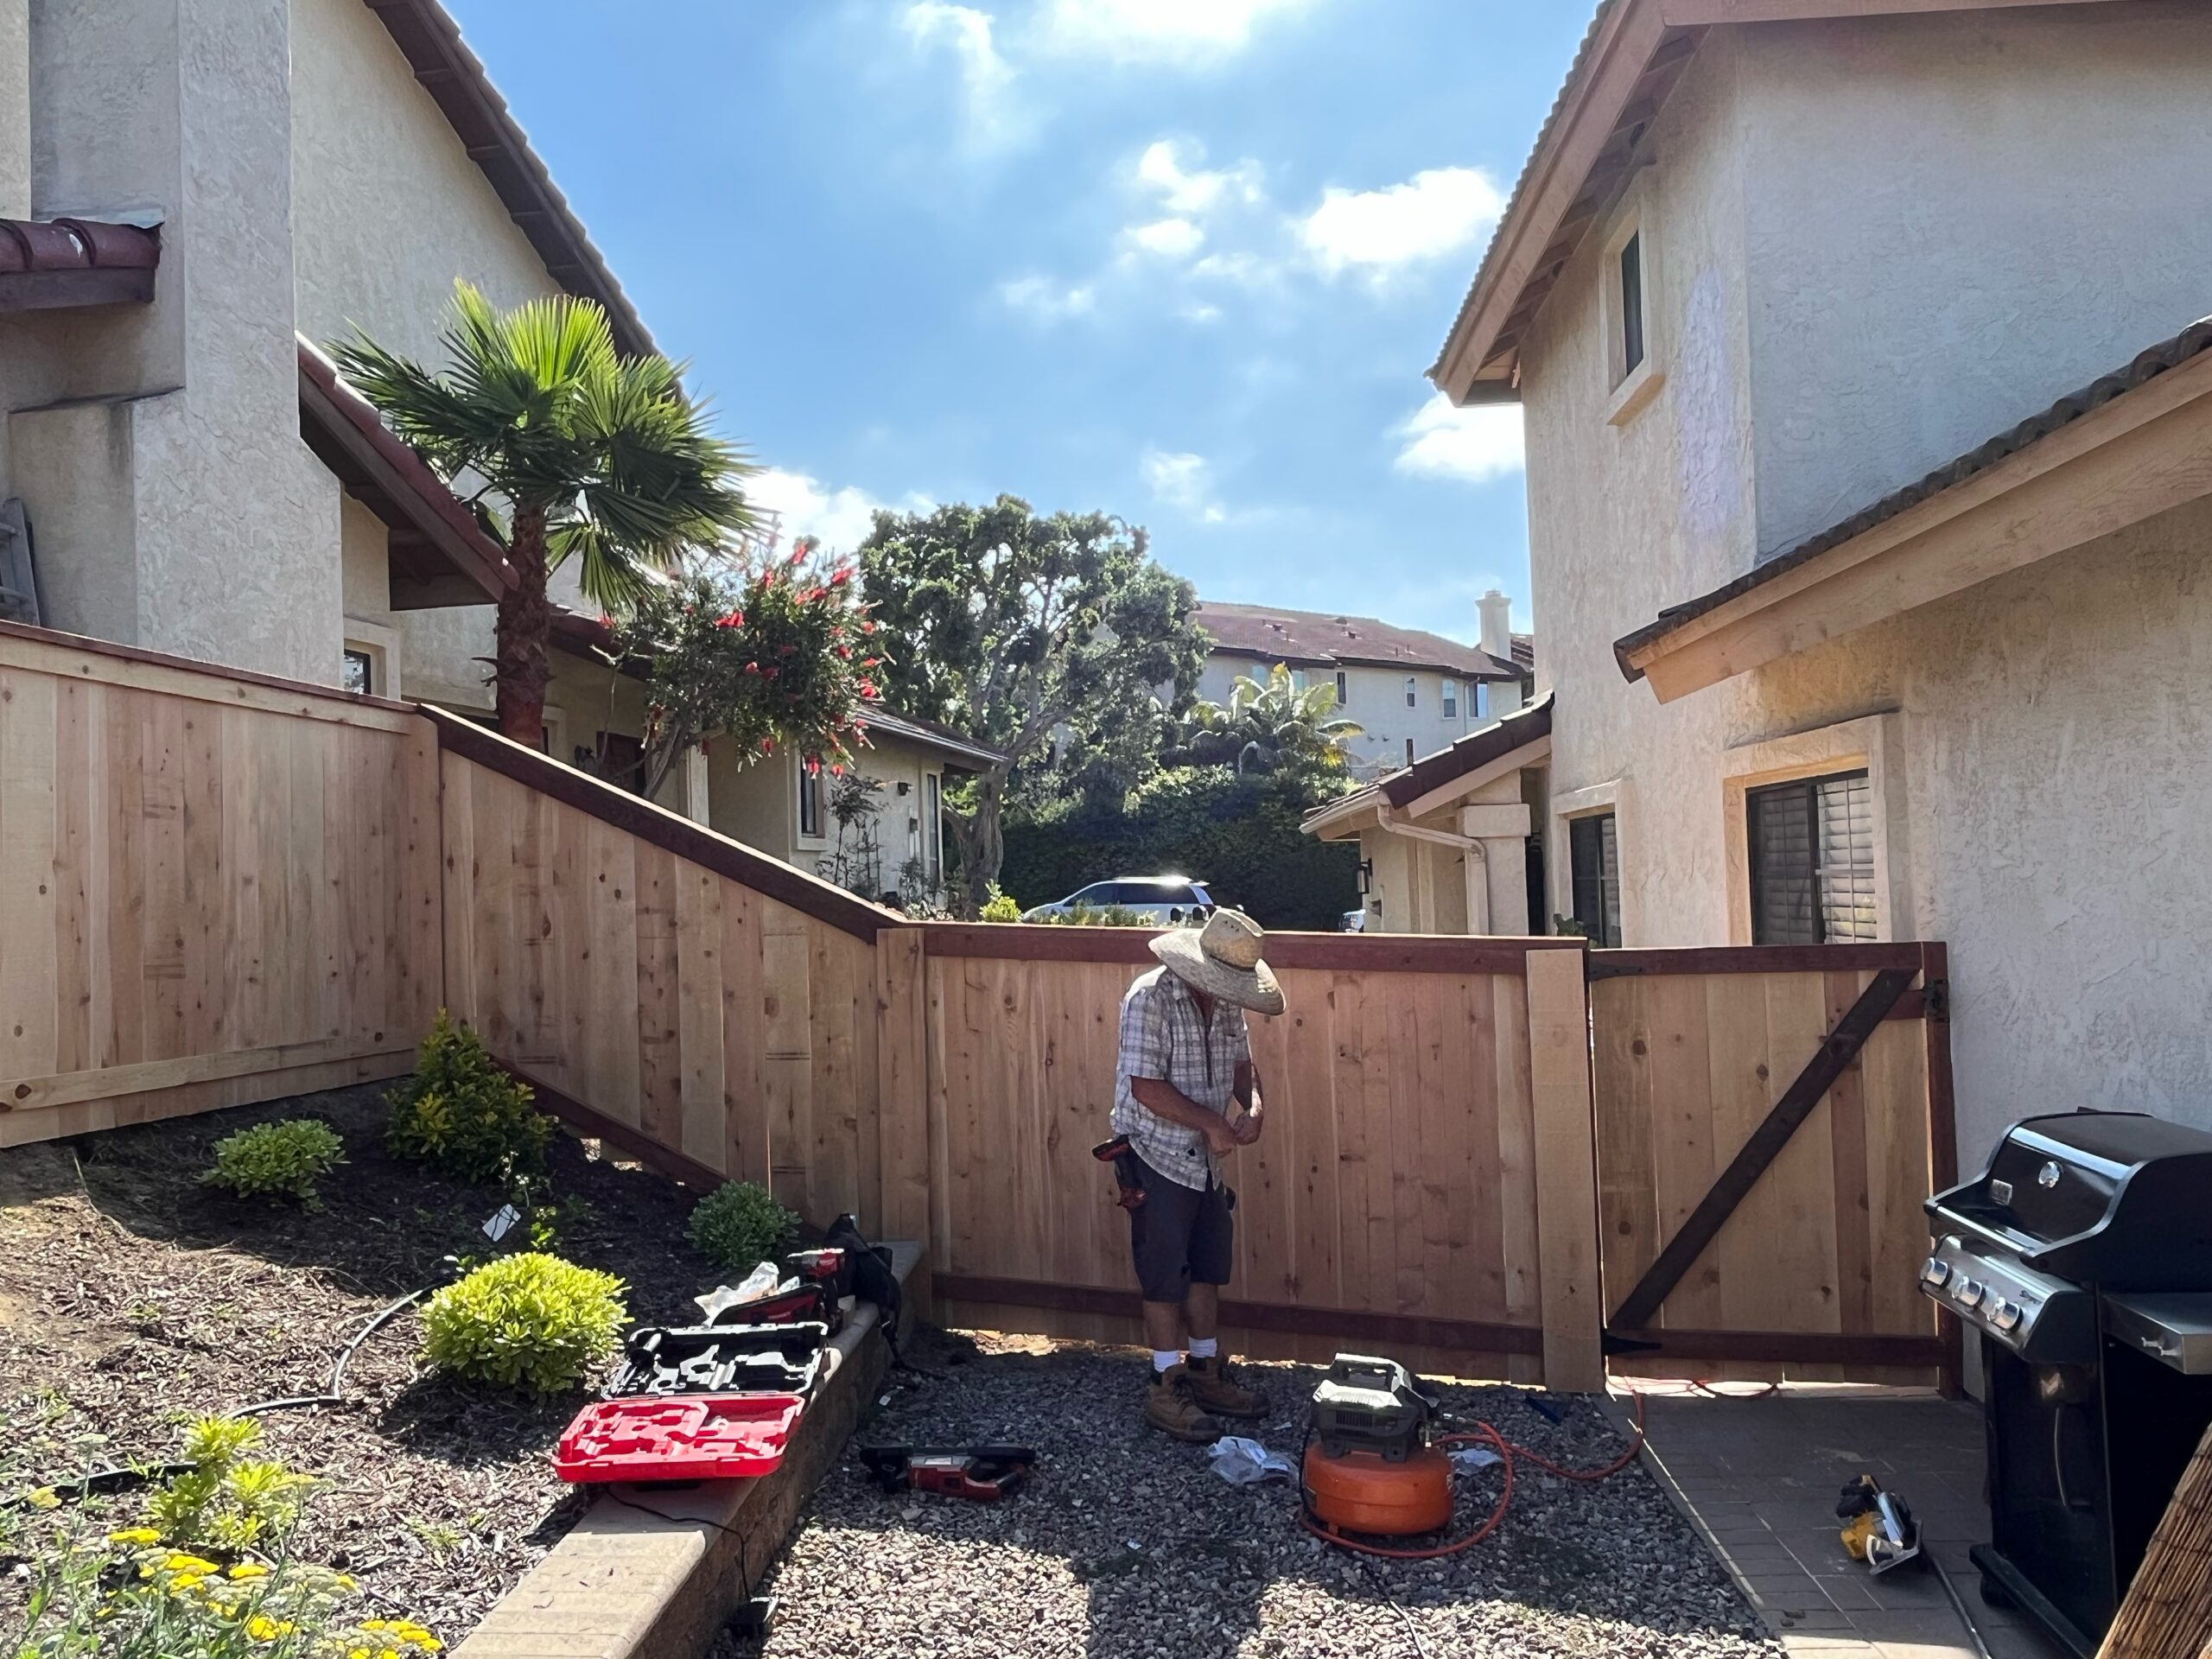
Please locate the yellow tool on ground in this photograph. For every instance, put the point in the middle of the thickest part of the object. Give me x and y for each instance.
(1878, 1526)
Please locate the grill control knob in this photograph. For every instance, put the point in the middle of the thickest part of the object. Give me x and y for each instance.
(2005, 1315)
(1968, 1292)
(1938, 1272)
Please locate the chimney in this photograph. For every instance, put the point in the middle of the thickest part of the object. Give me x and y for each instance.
(1497, 625)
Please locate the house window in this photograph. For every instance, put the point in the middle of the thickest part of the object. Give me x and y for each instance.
(1298, 679)
(1409, 751)
(1410, 691)
(1451, 699)
(1343, 687)
(810, 803)
(1594, 863)
(359, 676)
(1479, 697)
(932, 829)
(621, 760)
(1631, 279)
(1812, 859)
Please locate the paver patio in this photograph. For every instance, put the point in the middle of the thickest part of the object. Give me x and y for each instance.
(1759, 1478)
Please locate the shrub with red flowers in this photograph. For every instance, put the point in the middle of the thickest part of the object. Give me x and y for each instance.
(778, 655)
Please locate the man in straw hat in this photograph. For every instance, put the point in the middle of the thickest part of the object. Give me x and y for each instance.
(1185, 1096)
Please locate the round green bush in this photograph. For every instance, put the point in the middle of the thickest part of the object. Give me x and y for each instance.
(277, 1160)
(528, 1321)
(462, 1113)
(737, 1226)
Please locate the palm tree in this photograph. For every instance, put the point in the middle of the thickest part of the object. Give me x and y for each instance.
(1274, 727)
(594, 455)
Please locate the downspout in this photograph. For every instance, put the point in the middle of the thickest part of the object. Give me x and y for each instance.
(14, 109)
(1386, 818)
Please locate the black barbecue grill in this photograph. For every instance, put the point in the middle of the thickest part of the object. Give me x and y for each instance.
(2083, 1257)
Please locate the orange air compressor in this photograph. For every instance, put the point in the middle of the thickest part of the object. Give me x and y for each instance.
(1369, 1467)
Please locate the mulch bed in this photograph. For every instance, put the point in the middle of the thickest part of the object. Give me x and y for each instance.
(1127, 1545)
(132, 1299)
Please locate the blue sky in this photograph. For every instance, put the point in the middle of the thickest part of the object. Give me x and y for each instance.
(1181, 260)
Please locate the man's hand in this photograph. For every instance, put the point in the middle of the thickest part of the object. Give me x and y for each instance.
(1246, 1129)
(1222, 1137)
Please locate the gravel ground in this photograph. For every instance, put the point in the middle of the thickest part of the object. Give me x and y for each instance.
(132, 1299)
(1127, 1545)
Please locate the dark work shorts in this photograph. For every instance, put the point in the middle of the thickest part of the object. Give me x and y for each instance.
(1178, 1235)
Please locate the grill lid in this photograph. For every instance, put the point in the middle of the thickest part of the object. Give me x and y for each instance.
(2107, 1198)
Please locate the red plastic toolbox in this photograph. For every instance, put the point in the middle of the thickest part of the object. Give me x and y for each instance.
(679, 1437)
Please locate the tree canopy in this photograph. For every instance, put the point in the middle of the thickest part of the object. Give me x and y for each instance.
(1052, 639)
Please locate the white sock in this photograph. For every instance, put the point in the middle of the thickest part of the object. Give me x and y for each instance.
(1165, 1359)
(1204, 1347)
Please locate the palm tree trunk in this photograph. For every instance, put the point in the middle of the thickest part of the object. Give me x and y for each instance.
(525, 626)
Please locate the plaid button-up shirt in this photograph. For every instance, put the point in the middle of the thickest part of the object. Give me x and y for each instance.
(1163, 1037)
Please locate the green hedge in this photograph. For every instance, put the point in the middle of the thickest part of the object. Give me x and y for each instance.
(1239, 836)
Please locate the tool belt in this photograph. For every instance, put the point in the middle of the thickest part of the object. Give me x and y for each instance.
(1128, 1178)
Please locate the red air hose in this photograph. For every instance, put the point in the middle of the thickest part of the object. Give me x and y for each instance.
(1507, 1451)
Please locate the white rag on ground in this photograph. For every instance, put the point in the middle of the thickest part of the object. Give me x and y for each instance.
(1246, 1462)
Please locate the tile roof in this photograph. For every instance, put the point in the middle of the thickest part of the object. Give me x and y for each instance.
(455, 79)
(431, 528)
(46, 263)
(1471, 753)
(1308, 636)
(2145, 366)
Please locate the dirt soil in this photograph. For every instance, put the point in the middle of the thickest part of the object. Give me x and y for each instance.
(133, 1299)
(1127, 1546)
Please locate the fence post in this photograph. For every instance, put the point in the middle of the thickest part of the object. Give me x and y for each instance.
(902, 1084)
(1566, 1178)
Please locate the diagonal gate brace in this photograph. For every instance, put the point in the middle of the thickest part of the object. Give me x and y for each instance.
(1766, 1145)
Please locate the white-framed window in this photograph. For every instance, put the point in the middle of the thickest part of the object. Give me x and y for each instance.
(1343, 687)
(369, 660)
(1629, 277)
(810, 803)
(933, 828)
(359, 676)
(1478, 695)
(1409, 751)
(1298, 679)
(1413, 692)
(1451, 699)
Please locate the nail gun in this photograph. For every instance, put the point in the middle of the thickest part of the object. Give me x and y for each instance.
(984, 1473)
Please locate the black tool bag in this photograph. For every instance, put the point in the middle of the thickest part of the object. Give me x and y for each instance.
(873, 1281)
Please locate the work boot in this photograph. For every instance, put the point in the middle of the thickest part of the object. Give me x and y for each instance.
(1171, 1405)
(1217, 1390)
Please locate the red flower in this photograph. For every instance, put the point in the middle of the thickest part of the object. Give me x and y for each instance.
(767, 745)
(836, 772)
(753, 668)
(870, 662)
(867, 690)
(734, 619)
(867, 627)
(813, 594)
(813, 766)
(843, 575)
(770, 673)
(845, 651)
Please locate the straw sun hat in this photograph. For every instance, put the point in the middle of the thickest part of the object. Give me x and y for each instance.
(1223, 960)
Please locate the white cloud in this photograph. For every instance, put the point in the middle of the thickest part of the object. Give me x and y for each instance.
(986, 78)
(1193, 188)
(1183, 32)
(1479, 444)
(1440, 211)
(1184, 481)
(841, 517)
(1171, 239)
(1042, 299)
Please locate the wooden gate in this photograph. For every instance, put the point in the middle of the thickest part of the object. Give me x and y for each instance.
(1769, 1120)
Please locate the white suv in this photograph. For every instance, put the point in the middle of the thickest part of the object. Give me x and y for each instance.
(1165, 900)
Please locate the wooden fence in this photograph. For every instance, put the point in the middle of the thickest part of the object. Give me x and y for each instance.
(213, 889)
(216, 888)
(1424, 1184)
(1811, 1269)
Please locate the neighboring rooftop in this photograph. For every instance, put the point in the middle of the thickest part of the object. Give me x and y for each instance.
(1485, 746)
(2144, 367)
(1310, 637)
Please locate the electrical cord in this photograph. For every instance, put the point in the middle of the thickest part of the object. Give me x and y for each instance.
(332, 1396)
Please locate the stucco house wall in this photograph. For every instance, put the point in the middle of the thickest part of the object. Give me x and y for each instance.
(1843, 293)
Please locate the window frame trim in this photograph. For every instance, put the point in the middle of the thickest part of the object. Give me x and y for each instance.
(1871, 743)
(1629, 391)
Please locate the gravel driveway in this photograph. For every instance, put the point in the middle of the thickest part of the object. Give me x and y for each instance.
(1125, 1544)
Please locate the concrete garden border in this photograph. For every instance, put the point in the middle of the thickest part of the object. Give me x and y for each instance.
(658, 1582)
